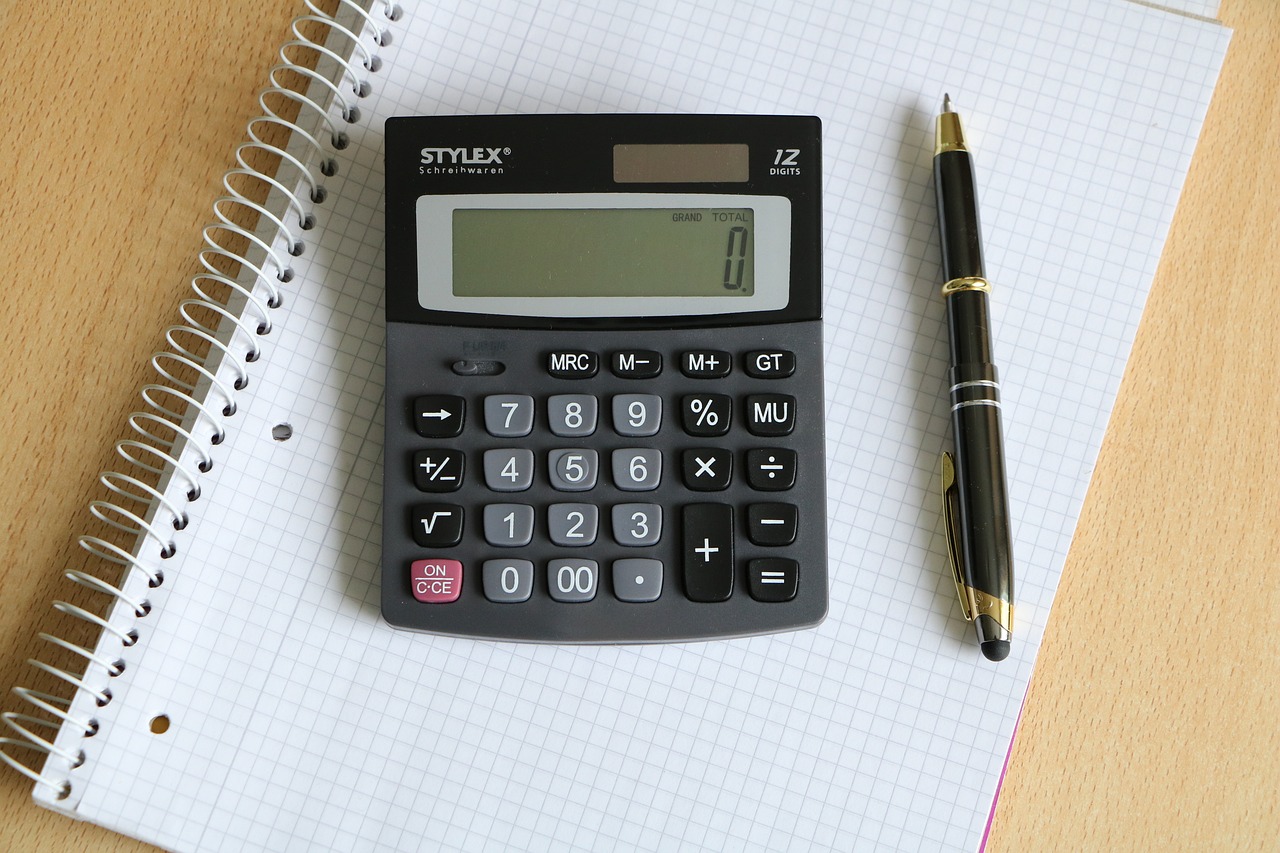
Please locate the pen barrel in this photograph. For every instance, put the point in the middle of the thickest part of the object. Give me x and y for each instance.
(983, 498)
(957, 199)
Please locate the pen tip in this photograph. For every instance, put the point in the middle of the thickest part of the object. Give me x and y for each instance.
(946, 103)
(996, 650)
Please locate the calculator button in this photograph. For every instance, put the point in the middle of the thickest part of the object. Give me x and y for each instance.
(573, 524)
(773, 579)
(436, 581)
(771, 469)
(438, 415)
(636, 525)
(508, 525)
(637, 364)
(637, 580)
(772, 524)
(771, 414)
(573, 470)
(573, 364)
(706, 364)
(437, 525)
(508, 415)
(637, 414)
(438, 470)
(507, 580)
(573, 580)
(708, 551)
(770, 364)
(706, 414)
(707, 469)
(572, 414)
(637, 469)
(508, 470)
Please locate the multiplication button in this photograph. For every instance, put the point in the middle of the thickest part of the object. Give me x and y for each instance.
(707, 469)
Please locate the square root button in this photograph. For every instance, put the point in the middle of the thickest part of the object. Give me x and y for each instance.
(436, 581)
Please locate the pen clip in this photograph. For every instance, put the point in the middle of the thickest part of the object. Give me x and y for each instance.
(951, 523)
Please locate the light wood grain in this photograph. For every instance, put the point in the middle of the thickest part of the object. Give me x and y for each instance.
(1152, 717)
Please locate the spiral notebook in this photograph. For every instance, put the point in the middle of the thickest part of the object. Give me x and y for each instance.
(244, 692)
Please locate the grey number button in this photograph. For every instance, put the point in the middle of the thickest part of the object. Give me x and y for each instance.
(572, 414)
(573, 470)
(637, 580)
(637, 469)
(637, 414)
(573, 524)
(573, 580)
(508, 525)
(508, 415)
(508, 470)
(507, 580)
(637, 524)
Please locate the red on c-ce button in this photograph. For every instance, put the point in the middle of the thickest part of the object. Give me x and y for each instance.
(436, 581)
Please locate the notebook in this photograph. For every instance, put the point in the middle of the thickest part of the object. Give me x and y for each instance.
(264, 704)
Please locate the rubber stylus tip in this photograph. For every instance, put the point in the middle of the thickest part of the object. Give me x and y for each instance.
(996, 649)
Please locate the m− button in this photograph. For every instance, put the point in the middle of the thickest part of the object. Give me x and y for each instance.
(636, 364)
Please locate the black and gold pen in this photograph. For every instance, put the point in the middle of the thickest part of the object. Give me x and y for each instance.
(975, 495)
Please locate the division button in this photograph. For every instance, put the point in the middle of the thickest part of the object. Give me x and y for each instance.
(770, 364)
(707, 469)
(771, 414)
(706, 414)
(573, 580)
(708, 551)
(636, 525)
(438, 470)
(435, 581)
(773, 579)
(438, 415)
(573, 364)
(508, 525)
(637, 580)
(772, 524)
(508, 469)
(507, 580)
(437, 525)
(771, 469)
(637, 364)
(706, 364)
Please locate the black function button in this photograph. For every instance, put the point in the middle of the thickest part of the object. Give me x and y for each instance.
(573, 364)
(438, 415)
(437, 525)
(773, 579)
(707, 469)
(770, 364)
(771, 469)
(438, 470)
(708, 551)
(771, 414)
(636, 364)
(706, 414)
(772, 524)
(706, 364)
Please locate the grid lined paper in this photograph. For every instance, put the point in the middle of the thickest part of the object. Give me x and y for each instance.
(300, 721)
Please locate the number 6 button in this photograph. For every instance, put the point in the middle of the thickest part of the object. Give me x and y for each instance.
(637, 469)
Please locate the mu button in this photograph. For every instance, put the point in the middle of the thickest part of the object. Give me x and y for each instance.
(773, 579)
(771, 414)
(437, 525)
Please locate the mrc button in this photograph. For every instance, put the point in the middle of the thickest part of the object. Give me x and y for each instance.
(573, 364)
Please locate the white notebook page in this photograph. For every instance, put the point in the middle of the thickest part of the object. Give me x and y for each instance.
(301, 721)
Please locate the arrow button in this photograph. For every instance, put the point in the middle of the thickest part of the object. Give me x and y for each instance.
(438, 415)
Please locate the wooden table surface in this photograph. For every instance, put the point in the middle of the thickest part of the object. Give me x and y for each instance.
(1153, 719)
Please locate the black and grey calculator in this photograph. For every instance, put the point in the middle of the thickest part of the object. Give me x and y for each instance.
(604, 391)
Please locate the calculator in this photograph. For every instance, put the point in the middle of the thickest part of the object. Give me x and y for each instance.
(604, 397)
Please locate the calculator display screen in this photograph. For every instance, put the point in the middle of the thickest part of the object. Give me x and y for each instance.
(604, 252)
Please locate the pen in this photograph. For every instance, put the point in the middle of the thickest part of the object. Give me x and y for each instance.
(975, 497)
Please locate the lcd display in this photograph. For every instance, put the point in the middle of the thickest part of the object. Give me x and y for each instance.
(604, 252)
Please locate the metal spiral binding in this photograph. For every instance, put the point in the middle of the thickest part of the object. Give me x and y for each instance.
(183, 420)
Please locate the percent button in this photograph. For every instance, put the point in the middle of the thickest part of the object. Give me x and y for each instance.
(706, 414)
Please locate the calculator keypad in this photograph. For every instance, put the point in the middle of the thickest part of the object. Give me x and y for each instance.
(558, 501)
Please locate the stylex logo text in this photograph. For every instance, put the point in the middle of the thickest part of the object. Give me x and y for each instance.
(462, 161)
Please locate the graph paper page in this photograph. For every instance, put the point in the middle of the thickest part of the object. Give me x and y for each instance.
(300, 721)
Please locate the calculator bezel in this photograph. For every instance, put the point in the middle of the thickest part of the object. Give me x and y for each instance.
(554, 154)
